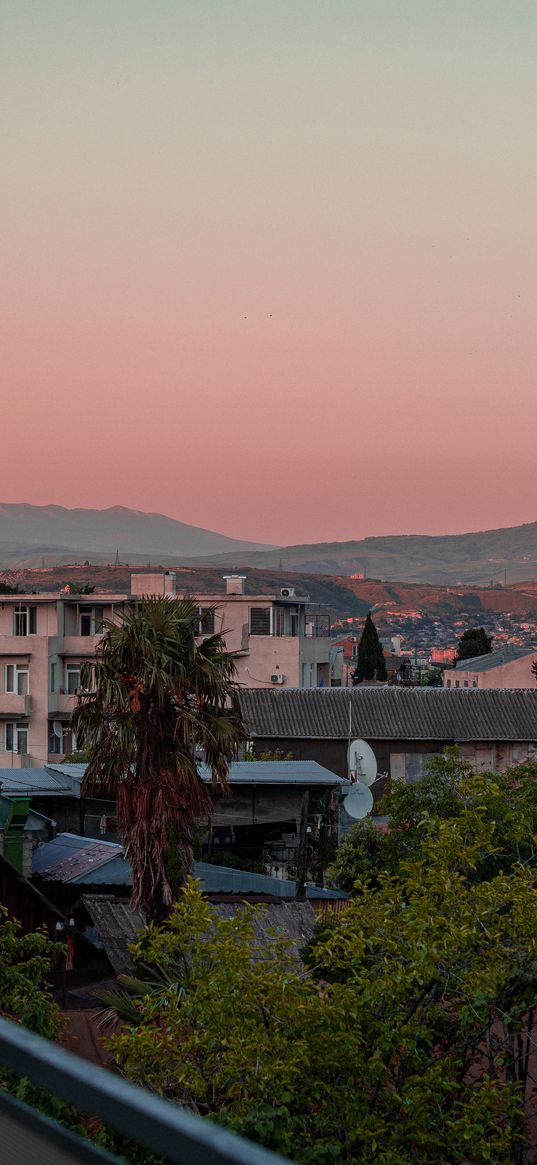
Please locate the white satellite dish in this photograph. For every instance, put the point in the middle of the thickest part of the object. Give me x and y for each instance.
(359, 801)
(362, 762)
(57, 728)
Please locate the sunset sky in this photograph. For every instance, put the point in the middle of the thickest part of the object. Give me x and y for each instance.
(270, 266)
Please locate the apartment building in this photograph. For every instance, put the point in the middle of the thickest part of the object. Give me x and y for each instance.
(279, 640)
(44, 640)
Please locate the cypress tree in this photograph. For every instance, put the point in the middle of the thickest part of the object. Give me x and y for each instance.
(371, 664)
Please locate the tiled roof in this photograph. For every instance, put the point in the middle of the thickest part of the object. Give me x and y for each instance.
(391, 713)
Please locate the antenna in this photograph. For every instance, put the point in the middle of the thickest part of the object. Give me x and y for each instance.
(362, 762)
(58, 729)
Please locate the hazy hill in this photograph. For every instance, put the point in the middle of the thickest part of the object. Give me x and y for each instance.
(345, 597)
(449, 559)
(29, 533)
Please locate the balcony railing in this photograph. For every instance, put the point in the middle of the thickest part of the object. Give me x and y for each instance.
(27, 1136)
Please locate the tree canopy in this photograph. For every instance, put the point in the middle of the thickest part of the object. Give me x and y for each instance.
(449, 789)
(371, 664)
(406, 1044)
(473, 642)
(155, 698)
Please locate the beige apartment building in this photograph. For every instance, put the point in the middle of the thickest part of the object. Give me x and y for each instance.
(279, 640)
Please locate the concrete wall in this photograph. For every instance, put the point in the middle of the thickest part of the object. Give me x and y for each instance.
(514, 673)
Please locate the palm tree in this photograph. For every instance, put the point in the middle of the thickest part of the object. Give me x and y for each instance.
(153, 697)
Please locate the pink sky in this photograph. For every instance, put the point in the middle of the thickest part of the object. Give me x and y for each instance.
(271, 267)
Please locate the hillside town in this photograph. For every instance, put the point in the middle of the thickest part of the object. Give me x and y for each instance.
(268, 583)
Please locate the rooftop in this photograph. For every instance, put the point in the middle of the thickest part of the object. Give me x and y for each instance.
(391, 713)
(507, 654)
(84, 861)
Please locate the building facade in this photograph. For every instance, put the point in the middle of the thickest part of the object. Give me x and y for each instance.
(510, 667)
(278, 640)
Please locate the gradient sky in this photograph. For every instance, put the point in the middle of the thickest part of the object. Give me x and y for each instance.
(270, 266)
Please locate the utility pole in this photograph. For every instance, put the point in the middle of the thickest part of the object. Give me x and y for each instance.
(302, 849)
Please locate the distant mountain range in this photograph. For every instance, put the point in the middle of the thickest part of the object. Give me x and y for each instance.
(490, 555)
(29, 534)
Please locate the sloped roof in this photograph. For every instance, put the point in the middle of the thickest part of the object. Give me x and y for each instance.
(118, 925)
(84, 861)
(479, 663)
(68, 857)
(37, 782)
(280, 772)
(391, 713)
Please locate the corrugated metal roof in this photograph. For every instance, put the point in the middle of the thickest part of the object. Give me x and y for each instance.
(118, 925)
(281, 772)
(70, 858)
(24, 782)
(241, 773)
(73, 772)
(391, 713)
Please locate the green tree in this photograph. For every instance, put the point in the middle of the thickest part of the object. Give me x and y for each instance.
(472, 643)
(448, 789)
(371, 664)
(411, 1048)
(154, 698)
(25, 960)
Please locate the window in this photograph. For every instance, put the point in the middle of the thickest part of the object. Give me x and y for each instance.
(206, 621)
(260, 621)
(16, 738)
(91, 620)
(279, 621)
(16, 679)
(52, 679)
(72, 678)
(85, 622)
(25, 619)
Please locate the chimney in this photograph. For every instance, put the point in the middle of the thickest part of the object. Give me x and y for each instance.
(234, 583)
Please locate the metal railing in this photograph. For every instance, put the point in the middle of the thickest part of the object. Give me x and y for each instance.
(27, 1135)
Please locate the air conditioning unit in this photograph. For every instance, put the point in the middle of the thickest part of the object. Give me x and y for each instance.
(277, 678)
(288, 593)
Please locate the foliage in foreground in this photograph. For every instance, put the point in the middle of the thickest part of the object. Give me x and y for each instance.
(408, 1041)
(450, 789)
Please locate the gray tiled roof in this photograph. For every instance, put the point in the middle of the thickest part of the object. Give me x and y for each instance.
(391, 713)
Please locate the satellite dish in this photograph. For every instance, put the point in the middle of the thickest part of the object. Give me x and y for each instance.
(359, 801)
(57, 729)
(362, 762)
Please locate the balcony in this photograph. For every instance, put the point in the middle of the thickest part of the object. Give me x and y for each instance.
(13, 706)
(62, 704)
(27, 1136)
